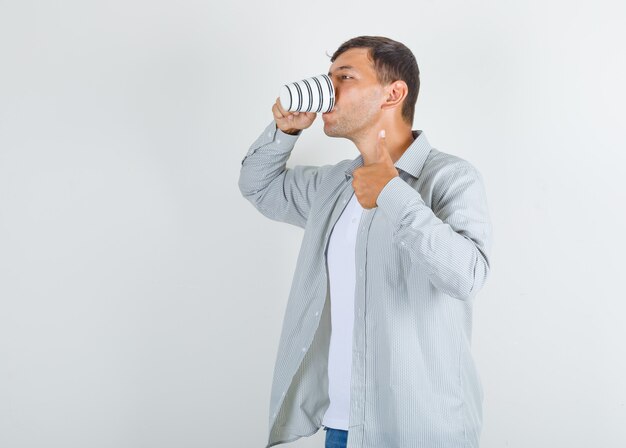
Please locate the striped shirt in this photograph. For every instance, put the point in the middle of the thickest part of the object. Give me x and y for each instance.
(421, 257)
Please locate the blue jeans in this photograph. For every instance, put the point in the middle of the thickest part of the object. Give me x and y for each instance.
(336, 438)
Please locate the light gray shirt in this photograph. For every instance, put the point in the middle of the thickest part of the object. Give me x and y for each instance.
(421, 257)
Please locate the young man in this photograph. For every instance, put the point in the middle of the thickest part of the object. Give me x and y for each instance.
(375, 344)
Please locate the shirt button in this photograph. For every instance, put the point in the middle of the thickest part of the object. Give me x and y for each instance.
(403, 243)
(317, 313)
(277, 140)
(304, 349)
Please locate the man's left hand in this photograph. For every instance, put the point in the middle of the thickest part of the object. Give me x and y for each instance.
(369, 180)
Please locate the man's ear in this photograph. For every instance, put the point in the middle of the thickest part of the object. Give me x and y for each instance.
(396, 92)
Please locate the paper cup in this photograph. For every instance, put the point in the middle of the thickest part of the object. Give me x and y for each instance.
(315, 94)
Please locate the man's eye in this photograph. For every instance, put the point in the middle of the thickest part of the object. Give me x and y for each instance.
(345, 76)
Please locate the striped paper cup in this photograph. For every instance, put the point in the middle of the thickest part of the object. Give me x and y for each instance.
(315, 94)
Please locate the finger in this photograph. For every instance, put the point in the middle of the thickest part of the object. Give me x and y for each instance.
(280, 108)
(276, 113)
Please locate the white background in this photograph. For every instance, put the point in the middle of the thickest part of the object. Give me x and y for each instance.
(141, 296)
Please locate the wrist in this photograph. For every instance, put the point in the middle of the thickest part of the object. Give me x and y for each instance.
(289, 131)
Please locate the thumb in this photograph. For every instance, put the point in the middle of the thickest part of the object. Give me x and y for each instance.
(381, 147)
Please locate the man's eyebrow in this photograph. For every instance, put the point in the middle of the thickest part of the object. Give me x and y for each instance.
(346, 67)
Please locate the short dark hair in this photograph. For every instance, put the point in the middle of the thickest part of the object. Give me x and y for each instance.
(393, 61)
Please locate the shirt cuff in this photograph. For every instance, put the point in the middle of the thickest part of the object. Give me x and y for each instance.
(281, 141)
(287, 138)
(395, 196)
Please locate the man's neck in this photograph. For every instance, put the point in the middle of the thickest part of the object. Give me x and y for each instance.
(397, 141)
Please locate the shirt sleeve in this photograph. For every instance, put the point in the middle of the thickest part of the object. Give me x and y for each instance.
(280, 193)
(452, 240)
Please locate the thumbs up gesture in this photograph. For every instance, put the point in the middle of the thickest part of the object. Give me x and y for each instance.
(369, 180)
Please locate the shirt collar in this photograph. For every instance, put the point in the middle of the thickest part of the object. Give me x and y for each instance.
(411, 161)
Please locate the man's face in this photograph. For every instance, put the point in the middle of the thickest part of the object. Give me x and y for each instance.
(358, 96)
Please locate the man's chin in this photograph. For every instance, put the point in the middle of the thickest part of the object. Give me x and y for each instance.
(330, 132)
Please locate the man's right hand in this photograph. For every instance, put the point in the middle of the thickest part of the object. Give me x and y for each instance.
(291, 122)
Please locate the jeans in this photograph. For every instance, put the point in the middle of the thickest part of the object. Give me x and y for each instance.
(336, 438)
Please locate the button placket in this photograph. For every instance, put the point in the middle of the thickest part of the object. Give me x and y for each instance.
(359, 342)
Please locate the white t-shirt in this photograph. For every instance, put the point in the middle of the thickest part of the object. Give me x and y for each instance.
(341, 268)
